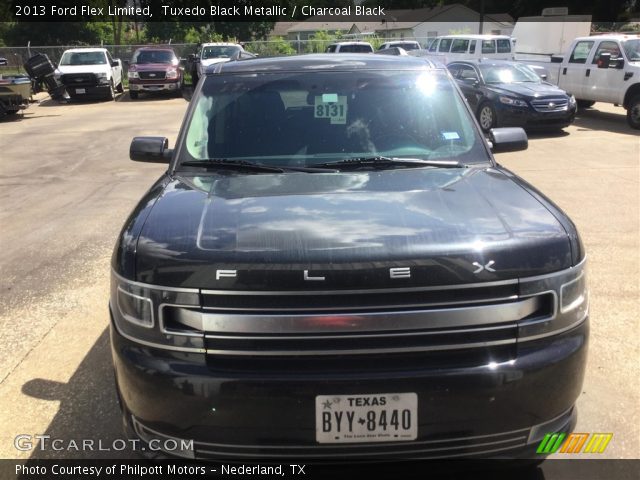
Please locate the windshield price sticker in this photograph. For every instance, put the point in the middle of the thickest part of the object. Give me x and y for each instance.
(384, 417)
(331, 106)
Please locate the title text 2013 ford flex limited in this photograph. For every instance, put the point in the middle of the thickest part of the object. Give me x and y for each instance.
(334, 266)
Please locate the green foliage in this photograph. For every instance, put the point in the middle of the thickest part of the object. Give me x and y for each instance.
(318, 42)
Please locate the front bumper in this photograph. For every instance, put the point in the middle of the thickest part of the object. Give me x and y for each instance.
(154, 86)
(529, 118)
(88, 91)
(230, 410)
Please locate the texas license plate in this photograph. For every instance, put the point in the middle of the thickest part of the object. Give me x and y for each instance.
(80, 90)
(383, 417)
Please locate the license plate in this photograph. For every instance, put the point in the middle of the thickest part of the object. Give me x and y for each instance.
(80, 90)
(384, 417)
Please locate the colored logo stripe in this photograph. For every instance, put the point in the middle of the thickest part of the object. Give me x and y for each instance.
(574, 443)
(551, 443)
(598, 442)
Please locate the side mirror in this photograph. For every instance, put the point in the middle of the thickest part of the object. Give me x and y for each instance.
(604, 60)
(182, 62)
(115, 62)
(619, 64)
(150, 149)
(543, 77)
(126, 62)
(510, 139)
(472, 81)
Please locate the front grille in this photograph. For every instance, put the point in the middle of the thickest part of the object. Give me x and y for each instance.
(548, 105)
(152, 75)
(79, 79)
(409, 322)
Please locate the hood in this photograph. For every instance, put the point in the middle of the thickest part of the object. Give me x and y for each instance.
(527, 90)
(350, 228)
(62, 69)
(212, 61)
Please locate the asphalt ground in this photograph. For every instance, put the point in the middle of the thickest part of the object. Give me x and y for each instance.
(67, 186)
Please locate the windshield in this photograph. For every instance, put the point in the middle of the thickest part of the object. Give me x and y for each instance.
(154, 56)
(406, 46)
(220, 51)
(632, 49)
(307, 118)
(508, 74)
(83, 58)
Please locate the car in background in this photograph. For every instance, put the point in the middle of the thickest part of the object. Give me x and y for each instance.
(3, 61)
(90, 72)
(155, 69)
(211, 53)
(450, 48)
(510, 94)
(404, 44)
(349, 47)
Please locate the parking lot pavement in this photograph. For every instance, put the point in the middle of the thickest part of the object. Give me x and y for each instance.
(66, 187)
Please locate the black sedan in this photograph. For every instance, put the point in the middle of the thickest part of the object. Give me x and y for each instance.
(510, 94)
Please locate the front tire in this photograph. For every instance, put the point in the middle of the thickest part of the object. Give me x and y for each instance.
(487, 117)
(120, 88)
(112, 93)
(633, 113)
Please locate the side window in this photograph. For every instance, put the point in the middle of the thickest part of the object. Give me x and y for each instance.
(581, 52)
(607, 47)
(109, 59)
(434, 45)
(468, 72)
(459, 45)
(331, 49)
(504, 45)
(472, 46)
(454, 68)
(445, 44)
(488, 46)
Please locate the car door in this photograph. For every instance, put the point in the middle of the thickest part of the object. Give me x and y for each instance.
(468, 79)
(605, 84)
(115, 74)
(573, 72)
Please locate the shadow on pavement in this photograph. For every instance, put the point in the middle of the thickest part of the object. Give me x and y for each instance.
(88, 408)
(593, 119)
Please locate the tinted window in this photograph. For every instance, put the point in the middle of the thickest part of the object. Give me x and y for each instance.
(459, 46)
(445, 44)
(632, 49)
(581, 52)
(508, 73)
(472, 47)
(434, 46)
(467, 72)
(607, 47)
(83, 58)
(220, 51)
(153, 56)
(331, 49)
(313, 117)
(504, 45)
(488, 46)
(355, 49)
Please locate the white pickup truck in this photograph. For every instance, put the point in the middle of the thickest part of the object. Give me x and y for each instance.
(90, 72)
(600, 68)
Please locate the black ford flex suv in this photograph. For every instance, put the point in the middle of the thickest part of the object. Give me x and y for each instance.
(334, 266)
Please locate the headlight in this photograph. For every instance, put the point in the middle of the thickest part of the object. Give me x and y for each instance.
(569, 294)
(514, 102)
(172, 74)
(572, 100)
(131, 74)
(156, 316)
(102, 77)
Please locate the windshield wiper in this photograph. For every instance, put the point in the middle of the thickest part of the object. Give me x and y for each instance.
(389, 162)
(245, 165)
(231, 164)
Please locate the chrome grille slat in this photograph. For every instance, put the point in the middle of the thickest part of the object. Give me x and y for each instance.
(542, 104)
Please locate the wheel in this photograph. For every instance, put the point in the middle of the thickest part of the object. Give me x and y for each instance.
(487, 117)
(633, 113)
(584, 103)
(112, 93)
(120, 88)
(133, 95)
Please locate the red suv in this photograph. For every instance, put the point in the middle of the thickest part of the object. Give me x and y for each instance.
(155, 69)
